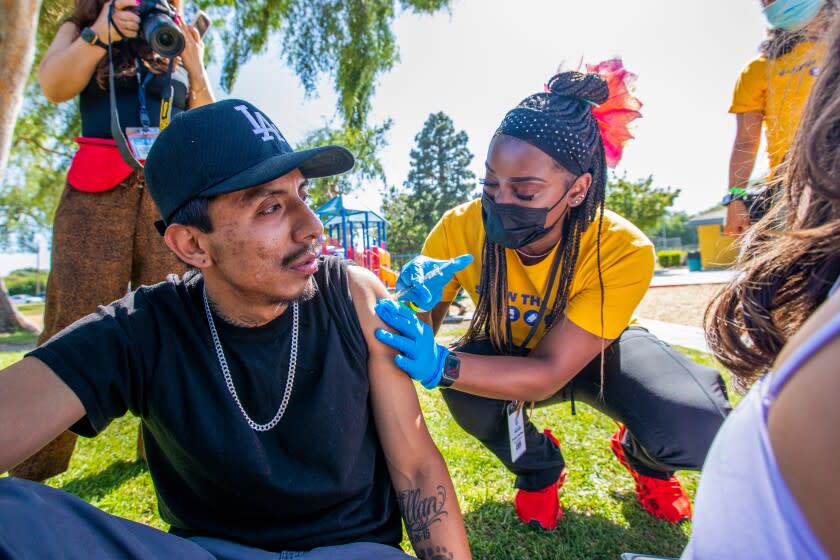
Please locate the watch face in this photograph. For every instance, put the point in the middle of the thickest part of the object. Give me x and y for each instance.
(451, 369)
(88, 35)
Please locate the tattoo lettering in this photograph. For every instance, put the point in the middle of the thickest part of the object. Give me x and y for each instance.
(236, 322)
(436, 553)
(421, 513)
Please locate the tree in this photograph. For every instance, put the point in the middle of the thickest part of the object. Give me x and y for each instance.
(17, 37)
(365, 145)
(439, 179)
(349, 40)
(674, 225)
(639, 201)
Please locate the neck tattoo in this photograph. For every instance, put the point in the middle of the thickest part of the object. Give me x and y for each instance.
(290, 377)
(243, 322)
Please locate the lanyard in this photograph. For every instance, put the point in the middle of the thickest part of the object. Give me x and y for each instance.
(144, 76)
(166, 98)
(555, 265)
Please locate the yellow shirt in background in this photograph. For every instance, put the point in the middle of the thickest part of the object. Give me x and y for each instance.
(779, 88)
(627, 260)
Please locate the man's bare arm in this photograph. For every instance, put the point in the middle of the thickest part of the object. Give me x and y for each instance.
(421, 480)
(35, 407)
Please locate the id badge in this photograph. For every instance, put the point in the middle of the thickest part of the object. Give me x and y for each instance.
(516, 431)
(141, 139)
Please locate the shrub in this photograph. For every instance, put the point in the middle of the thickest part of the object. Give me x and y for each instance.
(670, 258)
(22, 281)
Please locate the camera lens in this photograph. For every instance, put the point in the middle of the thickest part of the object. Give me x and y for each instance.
(165, 39)
(163, 35)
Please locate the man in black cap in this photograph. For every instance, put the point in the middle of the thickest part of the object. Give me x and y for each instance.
(272, 421)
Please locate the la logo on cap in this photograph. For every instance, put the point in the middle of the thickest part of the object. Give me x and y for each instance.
(261, 125)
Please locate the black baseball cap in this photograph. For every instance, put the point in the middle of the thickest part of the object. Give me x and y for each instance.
(227, 146)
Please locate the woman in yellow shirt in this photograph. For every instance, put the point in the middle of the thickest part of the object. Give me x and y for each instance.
(556, 279)
(771, 93)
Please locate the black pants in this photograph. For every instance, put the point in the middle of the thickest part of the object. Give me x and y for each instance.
(672, 408)
(37, 521)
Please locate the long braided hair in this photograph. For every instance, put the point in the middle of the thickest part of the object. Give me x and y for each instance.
(577, 147)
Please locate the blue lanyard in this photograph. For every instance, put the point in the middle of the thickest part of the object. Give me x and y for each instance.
(145, 121)
(144, 76)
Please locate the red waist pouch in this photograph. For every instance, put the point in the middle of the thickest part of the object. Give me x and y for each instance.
(97, 165)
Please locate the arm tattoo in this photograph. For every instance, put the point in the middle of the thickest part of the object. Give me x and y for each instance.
(421, 513)
(436, 553)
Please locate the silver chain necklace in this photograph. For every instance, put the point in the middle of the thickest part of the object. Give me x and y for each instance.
(524, 254)
(290, 378)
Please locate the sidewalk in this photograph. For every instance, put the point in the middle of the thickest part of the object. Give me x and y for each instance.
(679, 335)
(680, 276)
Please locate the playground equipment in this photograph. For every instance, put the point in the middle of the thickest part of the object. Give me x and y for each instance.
(357, 234)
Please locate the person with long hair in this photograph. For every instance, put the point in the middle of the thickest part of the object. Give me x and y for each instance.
(104, 238)
(772, 469)
(556, 279)
(770, 93)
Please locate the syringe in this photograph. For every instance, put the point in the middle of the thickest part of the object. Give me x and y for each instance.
(436, 271)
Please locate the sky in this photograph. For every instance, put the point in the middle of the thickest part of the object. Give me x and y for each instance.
(479, 59)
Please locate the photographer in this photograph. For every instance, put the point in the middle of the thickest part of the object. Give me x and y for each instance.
(103, 234)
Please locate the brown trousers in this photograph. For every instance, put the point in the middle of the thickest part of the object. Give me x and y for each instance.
(102, 243)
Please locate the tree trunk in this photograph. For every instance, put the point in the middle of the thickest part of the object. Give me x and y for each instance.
(18, 26)
(10, 319)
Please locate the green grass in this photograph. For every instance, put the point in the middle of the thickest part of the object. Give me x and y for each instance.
(31, 308)
(19, 337)
(602, 518)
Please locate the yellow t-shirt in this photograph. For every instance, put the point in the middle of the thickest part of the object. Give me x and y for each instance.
(626, 266)
(779, 88)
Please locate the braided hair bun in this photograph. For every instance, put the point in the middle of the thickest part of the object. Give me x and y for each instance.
(560, 121)
(587, 87)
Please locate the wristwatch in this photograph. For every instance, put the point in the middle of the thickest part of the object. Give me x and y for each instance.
(729, 197)
(451, 371)
(90, 37)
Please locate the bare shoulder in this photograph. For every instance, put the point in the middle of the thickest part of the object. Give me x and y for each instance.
(366, 290)
(802, 422)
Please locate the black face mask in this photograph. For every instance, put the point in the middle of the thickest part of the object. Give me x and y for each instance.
(514, 226)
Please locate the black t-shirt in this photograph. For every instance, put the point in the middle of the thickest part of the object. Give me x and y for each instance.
(318, 478)
(95, 103)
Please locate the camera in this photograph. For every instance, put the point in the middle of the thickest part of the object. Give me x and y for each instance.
(158, 27)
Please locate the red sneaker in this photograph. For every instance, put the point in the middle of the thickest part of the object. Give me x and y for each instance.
(663, 499)
(541, 509)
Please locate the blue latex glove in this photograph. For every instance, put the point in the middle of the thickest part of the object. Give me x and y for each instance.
(422, 279)
(420, 356)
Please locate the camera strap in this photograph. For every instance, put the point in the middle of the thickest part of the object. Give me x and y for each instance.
(165, 104)
(166, 97)
(116, 129)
